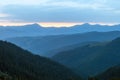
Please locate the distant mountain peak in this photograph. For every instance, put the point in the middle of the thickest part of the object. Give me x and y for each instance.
(35, 25)
(83, 25)
(86, 24)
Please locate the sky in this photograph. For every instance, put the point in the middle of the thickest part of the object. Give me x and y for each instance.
(59, 12)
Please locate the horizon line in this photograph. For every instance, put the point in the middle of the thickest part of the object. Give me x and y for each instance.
(54, 24)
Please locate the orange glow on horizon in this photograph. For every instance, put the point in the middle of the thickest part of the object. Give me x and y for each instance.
(59, 24)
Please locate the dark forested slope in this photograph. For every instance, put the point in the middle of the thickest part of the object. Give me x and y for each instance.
(112, 73)
(22, 65)
(91, 59)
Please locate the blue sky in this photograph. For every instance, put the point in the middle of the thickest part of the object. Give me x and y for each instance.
(67, 11)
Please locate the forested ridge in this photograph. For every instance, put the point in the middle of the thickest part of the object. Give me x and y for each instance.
(20, 64)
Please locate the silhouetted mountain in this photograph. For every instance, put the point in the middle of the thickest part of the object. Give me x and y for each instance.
(22, 65)
(91, 59)
(37, 30)
(112, 73)
(46, 44)
(26, 30)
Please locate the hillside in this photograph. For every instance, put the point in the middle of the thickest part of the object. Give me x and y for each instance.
(112, 73)
(91, 59)
(22, 65)
(69, 47)
(45, 44)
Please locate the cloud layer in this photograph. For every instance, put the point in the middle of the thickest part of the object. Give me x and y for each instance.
(60, 10)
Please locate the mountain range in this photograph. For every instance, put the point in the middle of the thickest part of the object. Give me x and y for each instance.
(80, 52)
(37, 30)
(50, 45)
